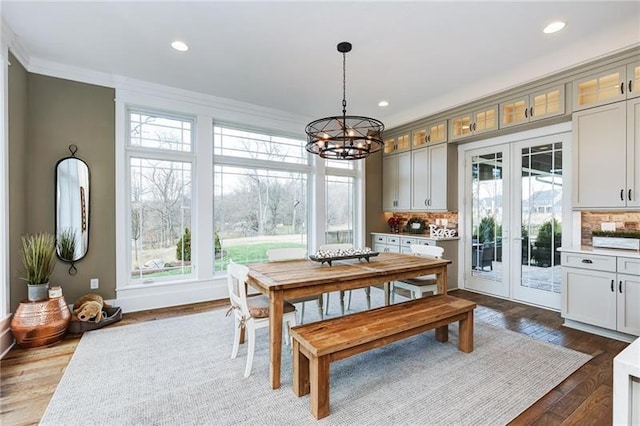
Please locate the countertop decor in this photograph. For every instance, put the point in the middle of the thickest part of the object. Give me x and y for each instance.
(415, 225)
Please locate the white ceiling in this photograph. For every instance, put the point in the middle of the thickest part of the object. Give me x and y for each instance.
(422, 57)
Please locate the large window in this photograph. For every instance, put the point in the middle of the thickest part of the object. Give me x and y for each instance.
(261, 184)
(160, 165)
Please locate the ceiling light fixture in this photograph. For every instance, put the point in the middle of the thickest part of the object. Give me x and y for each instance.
(554, 27)
(180, 46)
(344, 137)
(383, 104)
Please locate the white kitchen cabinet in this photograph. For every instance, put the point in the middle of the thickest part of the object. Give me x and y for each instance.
(606, 86)
(431, 133)
(605, 153)
(397, 143)
(429, 178)
(602, 290)
(540, 104)
(401, 243)
(473, 122)
(396, 182)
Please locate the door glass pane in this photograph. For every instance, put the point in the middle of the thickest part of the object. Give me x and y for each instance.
(487, 216)
(340, 209)
(541, 216)
(461, 126)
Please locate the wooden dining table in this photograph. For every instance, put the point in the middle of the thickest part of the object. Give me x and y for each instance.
(298, 278)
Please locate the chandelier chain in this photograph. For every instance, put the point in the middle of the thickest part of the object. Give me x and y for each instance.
(344, 83)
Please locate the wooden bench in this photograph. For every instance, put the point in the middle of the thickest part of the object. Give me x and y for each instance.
(317, 344)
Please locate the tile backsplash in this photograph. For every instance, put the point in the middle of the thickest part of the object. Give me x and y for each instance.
(429, 218)
(590, 221)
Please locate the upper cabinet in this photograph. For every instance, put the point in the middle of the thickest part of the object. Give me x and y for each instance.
(396, 182)
(607, 86)
(398, 143)
(543, 103)
(429, 178)
(473, 122)
(605, 153)
(432, 133)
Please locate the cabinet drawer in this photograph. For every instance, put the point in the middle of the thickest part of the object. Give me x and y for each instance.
(627, 265)
(407, 241)
(393, 240)
(589, 261)
(381, 239)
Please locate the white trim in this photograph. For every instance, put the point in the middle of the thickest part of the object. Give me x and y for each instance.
(6, 337)
(140, 298)
(498, 140)
(606, 332)
(5, 280)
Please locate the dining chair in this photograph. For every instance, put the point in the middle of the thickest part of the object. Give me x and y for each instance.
(251, 312)
(336, 247)
(426, 283)
(290, 253)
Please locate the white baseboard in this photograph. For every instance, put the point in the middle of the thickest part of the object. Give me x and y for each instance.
(605, 332)
(6, 337)
(144, 298)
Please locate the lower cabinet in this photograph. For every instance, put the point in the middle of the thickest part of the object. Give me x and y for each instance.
(597, 291)
(401, 243)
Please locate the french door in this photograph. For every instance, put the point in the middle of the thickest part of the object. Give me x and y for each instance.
(513, 198)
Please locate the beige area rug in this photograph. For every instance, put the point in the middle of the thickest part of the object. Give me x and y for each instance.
(177, 372)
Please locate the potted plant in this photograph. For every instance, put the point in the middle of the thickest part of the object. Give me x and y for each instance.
(38, 258)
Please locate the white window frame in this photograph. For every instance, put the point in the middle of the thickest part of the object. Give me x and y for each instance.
(205, 285)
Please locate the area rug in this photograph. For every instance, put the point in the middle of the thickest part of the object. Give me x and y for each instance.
(178, 372)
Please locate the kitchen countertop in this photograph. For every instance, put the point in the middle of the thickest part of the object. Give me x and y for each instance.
(602, 251)
(424, 235)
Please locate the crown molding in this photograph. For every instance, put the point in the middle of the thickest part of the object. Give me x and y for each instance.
(10, 40)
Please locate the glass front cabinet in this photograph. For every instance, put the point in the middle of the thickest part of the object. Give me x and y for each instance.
(610, 85)
(544, 103)
(398, 143)
(473, 122)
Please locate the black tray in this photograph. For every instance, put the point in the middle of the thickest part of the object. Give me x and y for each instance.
(328, 260)
(114, 314)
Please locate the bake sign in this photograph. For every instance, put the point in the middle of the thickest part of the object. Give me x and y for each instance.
(436, 232)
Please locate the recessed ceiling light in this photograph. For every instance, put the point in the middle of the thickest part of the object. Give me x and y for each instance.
(554, 27)
(179, 45)
(383, 103)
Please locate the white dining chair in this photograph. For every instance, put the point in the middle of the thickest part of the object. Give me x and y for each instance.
(424, 284)
(291, 253)
(251, 312)
(367, 290)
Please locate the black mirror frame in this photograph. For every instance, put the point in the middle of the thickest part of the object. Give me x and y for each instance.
(72, 268)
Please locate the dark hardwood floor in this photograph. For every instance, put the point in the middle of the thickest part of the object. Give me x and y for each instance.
(28, 378)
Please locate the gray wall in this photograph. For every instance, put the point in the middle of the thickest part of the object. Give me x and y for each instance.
(59, 113)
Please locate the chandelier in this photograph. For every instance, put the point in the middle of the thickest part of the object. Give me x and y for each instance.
(344, 137)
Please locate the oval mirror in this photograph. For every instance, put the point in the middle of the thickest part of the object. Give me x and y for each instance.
(72, 209)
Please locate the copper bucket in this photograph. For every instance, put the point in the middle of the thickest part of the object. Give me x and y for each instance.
(40, 323)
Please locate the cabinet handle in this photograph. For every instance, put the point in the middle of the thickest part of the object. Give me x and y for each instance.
(622, 88)
(531, 112)
(622, 195)
(620, 286)
(426, 202)
(526, 113)
(612, 286)
(587, 261)
(630, 86)
(475, 126)
(629, 194)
